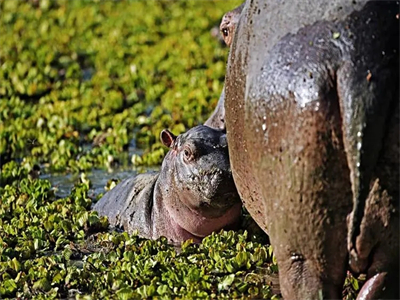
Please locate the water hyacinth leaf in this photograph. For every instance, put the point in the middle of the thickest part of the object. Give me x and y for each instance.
(186, 244)
(242, 259)
(193, 276)
(42, 285)
(163, 290)
(14, 264)
(226, 282)
(242, 287)
(354, 283)
(125, 294)
(58, 278)
(146, 291)
(83, 218)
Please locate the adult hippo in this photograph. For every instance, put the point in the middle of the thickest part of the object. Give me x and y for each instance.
(192, 195)
(312, 118)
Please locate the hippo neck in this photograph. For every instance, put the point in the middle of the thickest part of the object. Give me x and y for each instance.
(166, 225)
(185, 221)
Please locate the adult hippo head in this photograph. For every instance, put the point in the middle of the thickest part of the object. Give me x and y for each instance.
(312, 117)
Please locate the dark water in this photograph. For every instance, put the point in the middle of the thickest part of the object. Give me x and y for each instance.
(63, 183)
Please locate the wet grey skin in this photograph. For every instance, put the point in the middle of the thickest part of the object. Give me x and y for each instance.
(311, 110)
(192, 195)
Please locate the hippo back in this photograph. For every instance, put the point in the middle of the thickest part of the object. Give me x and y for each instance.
(129, 204)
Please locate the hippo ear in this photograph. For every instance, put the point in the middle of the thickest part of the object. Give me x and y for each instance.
(167, 138)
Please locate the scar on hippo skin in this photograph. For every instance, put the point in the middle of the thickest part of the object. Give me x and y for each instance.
(192, 195)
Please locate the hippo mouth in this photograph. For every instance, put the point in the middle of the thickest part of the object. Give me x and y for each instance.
(217, 207)
(209, 191)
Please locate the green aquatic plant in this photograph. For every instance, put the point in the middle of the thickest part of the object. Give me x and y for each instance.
(79, 80)
(51, 247)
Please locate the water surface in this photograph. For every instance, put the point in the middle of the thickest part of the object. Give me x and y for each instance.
(63, 183)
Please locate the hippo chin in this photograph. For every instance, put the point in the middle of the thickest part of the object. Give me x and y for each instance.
(192, 195)
(311, 108)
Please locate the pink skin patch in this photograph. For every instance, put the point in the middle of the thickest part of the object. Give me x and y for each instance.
(191, 221)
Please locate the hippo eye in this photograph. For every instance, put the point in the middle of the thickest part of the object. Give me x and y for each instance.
(225, 32)
(187, 153)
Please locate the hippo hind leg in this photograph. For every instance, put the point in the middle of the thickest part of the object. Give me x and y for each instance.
(309, 227)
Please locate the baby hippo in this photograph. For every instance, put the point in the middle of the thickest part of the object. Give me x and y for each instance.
(192, 195)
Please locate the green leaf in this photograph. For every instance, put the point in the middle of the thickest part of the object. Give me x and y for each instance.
(354, 283)
(125, 294)
(42, 285)
(14, 264)
(8, 287)
(226, 282)
(242, 258)
(163, 289)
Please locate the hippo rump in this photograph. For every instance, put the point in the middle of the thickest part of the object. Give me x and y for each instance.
(311, 108)
(192, 195)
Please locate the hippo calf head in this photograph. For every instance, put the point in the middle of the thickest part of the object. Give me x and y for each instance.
(197, 183)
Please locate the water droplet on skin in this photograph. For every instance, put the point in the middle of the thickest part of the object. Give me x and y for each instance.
(264, 127)
(265, 117)
(359, 145)
(359, 134)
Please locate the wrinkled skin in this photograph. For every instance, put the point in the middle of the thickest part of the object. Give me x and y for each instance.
(192, 195)
(312, 118)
